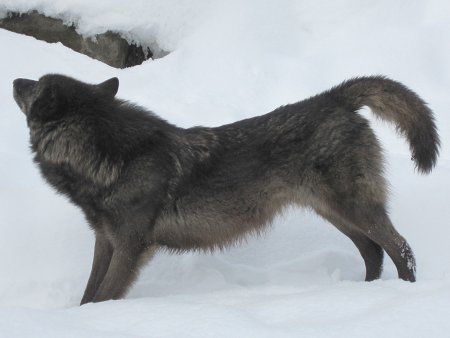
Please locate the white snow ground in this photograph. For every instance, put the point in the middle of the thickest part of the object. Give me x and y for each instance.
(231, 60)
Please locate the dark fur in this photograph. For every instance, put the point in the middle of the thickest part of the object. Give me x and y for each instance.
(145, 184)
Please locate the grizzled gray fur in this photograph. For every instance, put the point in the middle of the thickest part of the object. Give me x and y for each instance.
(145, 184)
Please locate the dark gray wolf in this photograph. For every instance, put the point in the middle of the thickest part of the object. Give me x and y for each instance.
(145, 184)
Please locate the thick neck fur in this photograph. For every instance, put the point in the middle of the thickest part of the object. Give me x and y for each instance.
(71, 144)
(95, 143)
(98, 144)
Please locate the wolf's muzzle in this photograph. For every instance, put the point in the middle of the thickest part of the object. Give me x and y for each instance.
(23, 85)
(23, 90)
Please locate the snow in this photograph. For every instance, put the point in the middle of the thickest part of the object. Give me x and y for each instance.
(232, 60)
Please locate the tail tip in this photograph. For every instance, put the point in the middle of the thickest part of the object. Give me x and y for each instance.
(425, 159)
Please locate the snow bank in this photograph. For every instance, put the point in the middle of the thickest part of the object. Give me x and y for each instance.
(231, 60)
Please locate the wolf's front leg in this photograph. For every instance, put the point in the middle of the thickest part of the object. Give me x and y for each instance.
(102, 256)
(122, 272)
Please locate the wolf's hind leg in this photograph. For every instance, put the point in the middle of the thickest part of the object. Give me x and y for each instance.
(370, 251)
(373, 221)
(102, 256)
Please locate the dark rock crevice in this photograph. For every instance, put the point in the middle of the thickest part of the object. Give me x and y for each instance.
(109, 47)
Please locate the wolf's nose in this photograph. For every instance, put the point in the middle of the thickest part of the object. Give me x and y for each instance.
(17, 83)
(21, 84)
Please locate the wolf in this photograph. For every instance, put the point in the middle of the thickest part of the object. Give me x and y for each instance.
(146, 185)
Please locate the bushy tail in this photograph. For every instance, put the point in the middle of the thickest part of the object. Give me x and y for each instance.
(394, 102)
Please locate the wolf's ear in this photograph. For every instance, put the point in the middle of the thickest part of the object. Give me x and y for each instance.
(110, 86)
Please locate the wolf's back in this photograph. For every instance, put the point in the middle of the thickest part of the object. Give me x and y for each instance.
(394, 102)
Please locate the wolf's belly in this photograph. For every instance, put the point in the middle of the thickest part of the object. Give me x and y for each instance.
(220, 219)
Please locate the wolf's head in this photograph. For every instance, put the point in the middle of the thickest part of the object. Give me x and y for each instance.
(53, 95)
(59, 113)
